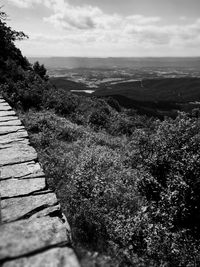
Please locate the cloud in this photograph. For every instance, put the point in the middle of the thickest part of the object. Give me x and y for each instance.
(74, 17)
(24, 3)
(89, 25)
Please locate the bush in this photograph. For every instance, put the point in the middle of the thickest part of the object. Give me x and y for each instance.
(26, 93)
(62, 101)
(169, 165)
(114, 104)
(40, 70)
(99, 118)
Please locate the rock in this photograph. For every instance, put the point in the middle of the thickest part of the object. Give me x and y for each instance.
(25, 236)
(7, 118)
(56, 257)
(9, 145)
(4, 107)
(10, 129)
(7, 113)
(13, 137)
(33, 230)
(18, 153)
(4, 104)
(22, 171)
(15, 208)
(10, 123)
(15, 187)
(47, 211)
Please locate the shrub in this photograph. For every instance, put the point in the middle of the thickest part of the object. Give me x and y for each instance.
(169, 165)
(113, 103)
(62, 101)
(40, 70)
(99, 118)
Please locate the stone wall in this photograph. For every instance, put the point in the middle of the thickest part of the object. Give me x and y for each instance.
(33, 229)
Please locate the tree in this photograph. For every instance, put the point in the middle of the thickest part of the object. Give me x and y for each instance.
(40, 70)
(8, 50)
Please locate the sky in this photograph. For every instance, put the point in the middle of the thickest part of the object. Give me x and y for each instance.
(106, 28)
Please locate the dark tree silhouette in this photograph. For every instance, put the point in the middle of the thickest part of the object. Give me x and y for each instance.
(40, 70)
(8, 51)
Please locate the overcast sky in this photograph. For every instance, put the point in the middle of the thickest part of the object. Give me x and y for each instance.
(103, 28)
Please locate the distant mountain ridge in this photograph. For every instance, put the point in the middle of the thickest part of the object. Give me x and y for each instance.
(111, 62)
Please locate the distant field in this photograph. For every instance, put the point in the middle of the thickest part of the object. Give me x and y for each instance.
(110, 63)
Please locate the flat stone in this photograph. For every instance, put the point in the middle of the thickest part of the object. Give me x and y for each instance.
(56, 257)
(8, 118)
(7, 113)
(13, 137)
(18, 153)
(10, 123)
(4, 107)
(25, 236)
(10, 129)
(4, 103)
(15, 187)
(22, 171)
(9, 145)
(46, 211)
(15, 208)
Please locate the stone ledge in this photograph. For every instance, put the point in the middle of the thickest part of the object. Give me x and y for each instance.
(17, 153)
(15, 187)
(33, 230)
(55, 257)
(15, 208)
(25, 236)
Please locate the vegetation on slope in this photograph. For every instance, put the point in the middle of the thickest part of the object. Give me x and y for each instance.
(128, 184)
(152, 97)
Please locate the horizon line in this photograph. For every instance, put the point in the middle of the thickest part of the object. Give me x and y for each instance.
(43, 56)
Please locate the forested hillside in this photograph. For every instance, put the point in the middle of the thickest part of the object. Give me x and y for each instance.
(128, 184)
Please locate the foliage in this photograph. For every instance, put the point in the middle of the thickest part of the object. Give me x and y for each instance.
(8, 51)
(168, 160)
(99, 118)
(40, 70)
(113, 103)
(138, 195)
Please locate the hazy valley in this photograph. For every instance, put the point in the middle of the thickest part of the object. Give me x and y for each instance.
(154, 86)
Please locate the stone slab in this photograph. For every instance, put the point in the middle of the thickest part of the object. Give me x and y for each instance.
(9, 145)
(22, 171)
(4, 103)
(25, 236)
(13, 137)
(47, 211)
(56, 257)
(7, 113)
(15, 187)
(11, 123)
(8, 118)
(15, 208)
(4, 107)
(18, 153)
(10, 129)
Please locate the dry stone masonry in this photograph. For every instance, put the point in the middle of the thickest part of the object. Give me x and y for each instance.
(33, 230)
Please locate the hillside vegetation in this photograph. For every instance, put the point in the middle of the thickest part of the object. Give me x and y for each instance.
(153, 97)
(128, 184)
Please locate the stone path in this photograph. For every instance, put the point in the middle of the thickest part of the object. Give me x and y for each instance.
(33, 230)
